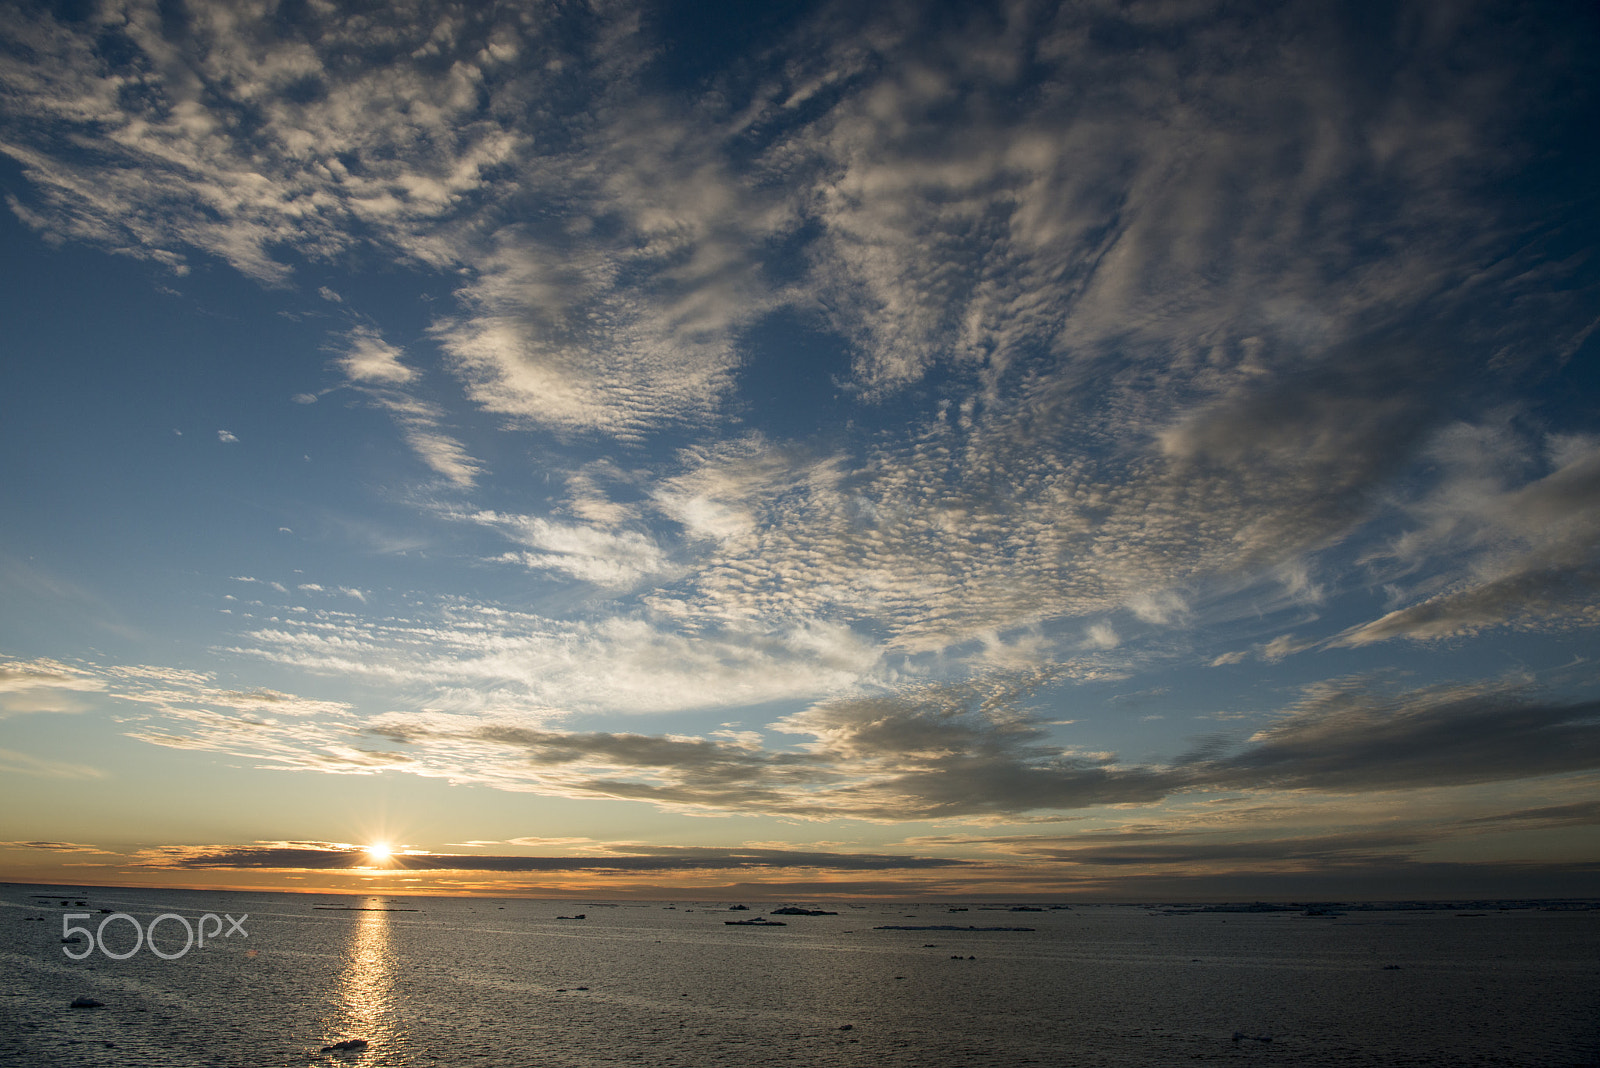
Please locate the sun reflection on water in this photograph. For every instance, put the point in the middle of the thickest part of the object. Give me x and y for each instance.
(363, 997)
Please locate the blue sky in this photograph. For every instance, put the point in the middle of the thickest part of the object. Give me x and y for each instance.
(1100, 449)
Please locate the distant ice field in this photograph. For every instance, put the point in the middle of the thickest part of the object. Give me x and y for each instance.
(507, 982)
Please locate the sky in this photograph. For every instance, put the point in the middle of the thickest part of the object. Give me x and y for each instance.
(1104, 451)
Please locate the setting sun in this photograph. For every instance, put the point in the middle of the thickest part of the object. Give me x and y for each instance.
(379, 851)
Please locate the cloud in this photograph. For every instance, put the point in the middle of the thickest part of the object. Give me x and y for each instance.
(967, 204)
(369, 360)
(1184, 848)
(618, 859)
(937, 751)
(43, 685)
(187, 710)
(1375, 864)
(969, 750)
(979, 749)
(1531, 546)
(17, 676)
(668, 770)
(607, 558)
(372, 366)
(554, 335)
(226, 438)
(1577, 814)
(1220, 864)
(15, 763)
(1102, 636)
(493, 657)
(160, 170)
(440, 452)
(908, 543)
(424, 131)
(1283, 645)
(1350, 735)
(1163, 365)
(1148, 310)
(957, 750)
(53, 847)
(978, 204)
(177, 692)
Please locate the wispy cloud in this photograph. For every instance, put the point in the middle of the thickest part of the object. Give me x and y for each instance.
(370, 361)
(609, 558)
(43, 685)
(15, 763)
(53, 847)
(491, 657)
(17, 676)
(1526, 551)
(1577, 814)
(374, 368)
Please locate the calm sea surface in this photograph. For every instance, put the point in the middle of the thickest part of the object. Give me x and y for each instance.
(485, 982)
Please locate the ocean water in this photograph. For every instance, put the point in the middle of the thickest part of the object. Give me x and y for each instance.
(484, 982)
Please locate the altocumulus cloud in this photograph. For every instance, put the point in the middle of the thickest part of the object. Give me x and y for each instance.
(1169, 363)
